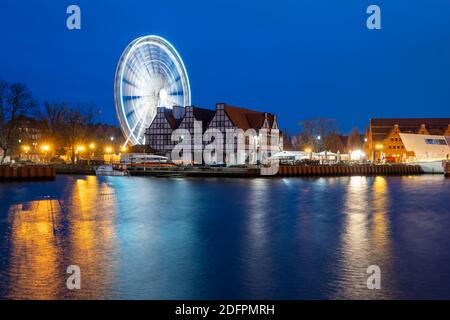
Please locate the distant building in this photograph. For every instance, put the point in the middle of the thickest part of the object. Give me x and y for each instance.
(158, 135)
(383, 141)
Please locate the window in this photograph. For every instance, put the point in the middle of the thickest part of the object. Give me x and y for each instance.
(441, 142)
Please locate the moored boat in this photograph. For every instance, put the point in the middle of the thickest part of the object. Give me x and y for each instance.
(109, 170)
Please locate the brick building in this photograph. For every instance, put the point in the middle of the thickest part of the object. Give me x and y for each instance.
(382, 138)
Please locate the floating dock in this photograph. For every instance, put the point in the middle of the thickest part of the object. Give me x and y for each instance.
(27, 173)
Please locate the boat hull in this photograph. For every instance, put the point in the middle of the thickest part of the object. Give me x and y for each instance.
(433, 167)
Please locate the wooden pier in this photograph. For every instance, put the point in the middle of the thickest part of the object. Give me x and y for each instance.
(27, 173)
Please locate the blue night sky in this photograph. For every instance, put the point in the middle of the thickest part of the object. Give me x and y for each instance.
(296, 58)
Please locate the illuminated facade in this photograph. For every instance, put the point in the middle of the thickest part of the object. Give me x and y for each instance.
(383, 141)
(225, 117)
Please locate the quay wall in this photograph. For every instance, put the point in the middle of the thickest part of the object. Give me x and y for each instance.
(348, 170)
(27, 173)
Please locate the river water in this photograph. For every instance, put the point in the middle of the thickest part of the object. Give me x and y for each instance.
(195, 238)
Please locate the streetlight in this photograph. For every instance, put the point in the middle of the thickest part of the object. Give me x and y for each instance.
(81, 149)
(379, 148)
(45, 148)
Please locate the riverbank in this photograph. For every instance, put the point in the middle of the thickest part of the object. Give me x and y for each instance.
(39, 172)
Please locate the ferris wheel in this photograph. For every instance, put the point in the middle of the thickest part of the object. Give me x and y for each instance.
(150, 74)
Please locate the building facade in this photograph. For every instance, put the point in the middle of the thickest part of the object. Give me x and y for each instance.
(383, 141)
(224, 121)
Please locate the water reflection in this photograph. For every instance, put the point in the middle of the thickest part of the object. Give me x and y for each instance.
(256, 254)
(35, 254)
(365, 238)
(225, 238)
(91, 234)
(48, 235)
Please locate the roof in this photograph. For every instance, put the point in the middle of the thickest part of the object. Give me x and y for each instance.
(246, 118)
(173, 122)
(382, 127)
(201, 114)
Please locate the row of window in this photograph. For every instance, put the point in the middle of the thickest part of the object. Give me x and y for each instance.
(441, 142)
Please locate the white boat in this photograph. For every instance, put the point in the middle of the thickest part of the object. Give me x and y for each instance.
(430, 151)
(109, 170)
(142, 158)
(436, 166)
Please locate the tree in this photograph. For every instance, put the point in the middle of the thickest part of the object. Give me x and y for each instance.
(314, 132)
(333, 142)
(16, 103)
(75, 128)
(53, 120)
(354, 140)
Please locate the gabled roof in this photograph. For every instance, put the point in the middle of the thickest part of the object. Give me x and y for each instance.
(246, 118)
(173, 122)
(381, 128)
(204, 115)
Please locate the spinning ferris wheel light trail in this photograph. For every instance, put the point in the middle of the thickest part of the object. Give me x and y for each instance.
(150, 74)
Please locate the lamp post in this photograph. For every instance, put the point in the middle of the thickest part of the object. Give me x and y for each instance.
(379, 150)
(108, 151)
(92, 150)
(45, 148)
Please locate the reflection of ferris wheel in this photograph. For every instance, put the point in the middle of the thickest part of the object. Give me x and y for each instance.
(150, 74)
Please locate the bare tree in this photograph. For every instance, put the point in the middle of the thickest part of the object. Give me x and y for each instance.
(354, 140)
(16, 102)
(333, 142)
(314, 132)
(53, 120)
(76, 127)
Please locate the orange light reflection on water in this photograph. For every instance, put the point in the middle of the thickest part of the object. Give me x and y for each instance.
(40, 256)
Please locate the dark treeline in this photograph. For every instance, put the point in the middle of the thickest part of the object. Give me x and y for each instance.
(321, 134)
(62, 125)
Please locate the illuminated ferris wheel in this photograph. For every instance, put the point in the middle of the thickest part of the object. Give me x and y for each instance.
(150, 74)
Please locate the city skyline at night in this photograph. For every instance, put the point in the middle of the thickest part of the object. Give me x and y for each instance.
(300, 59)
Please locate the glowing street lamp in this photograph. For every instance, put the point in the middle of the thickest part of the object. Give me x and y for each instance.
(45, 148)
(108, 150)
(92, 146)
(81, 149)
(26, 148)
